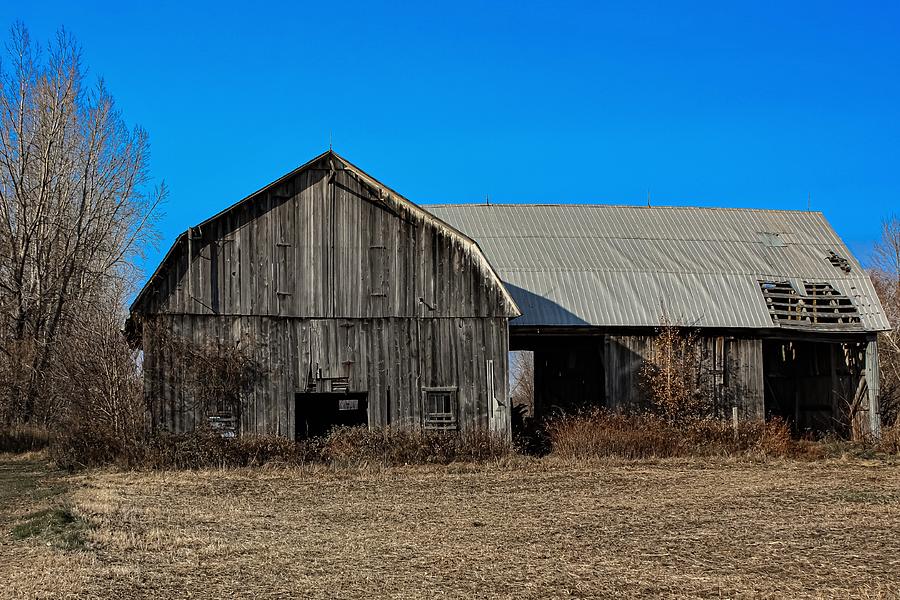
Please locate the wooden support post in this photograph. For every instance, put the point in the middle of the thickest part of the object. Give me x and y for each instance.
(734, 421)
(873, 384)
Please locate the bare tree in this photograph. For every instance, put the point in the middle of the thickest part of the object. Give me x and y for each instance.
(672, 377)
(522, 373)
(213, 377)
(76, 207)
(100, 377)
(886, 277)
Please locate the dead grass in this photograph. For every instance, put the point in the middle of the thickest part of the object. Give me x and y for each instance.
(342, 447)
(36, 531)
(603, 434)
(890, 439)
(518, 528)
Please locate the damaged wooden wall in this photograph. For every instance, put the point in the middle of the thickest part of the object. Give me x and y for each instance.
(578, 370)
(731, 368)
(820, 386)
(326, 272)
(390, 359)
(816, 385)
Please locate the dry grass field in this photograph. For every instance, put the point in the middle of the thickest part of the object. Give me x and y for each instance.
(527, 529)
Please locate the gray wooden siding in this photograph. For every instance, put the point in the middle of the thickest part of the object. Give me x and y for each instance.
(872, 422)
(744, 377)
(313, 248)
(390, 359)
(733, 368)
(326, 271)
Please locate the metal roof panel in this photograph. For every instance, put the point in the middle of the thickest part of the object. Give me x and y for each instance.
(631, 266)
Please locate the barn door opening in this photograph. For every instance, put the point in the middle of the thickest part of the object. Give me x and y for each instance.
(568, 376)
(816, 387)
(318, 413)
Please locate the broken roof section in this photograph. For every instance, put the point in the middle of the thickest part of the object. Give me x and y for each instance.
(631, 266)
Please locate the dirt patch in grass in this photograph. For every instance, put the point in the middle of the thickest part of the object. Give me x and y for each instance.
(32, 495)
(25, 479)
(522, 529)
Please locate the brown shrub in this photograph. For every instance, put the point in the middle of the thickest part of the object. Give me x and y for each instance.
(205, 448)
(23, 438)
(344, 446)
(672, 378)
(601, 434)
(84, 445)
(885, 276)
(890, 439)
(774, 438)
(394, 446)
(258, 450)
(103, 417)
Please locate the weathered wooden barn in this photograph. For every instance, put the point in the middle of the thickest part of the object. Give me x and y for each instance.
(360, 306)
(786, 317)
(365, 308)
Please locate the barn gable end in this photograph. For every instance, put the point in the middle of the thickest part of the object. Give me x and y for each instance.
(325, 241)
(339, 285)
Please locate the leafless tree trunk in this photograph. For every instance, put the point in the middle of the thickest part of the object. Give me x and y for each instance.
(522, 371)
(75, 209)
(886, 277)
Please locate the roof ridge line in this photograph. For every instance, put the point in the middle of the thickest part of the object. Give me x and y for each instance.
(604, 205)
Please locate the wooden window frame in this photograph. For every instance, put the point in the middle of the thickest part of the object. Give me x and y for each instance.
(225, 423)
(445, 421)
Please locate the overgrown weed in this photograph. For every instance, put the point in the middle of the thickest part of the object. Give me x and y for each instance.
(342, 447)
(601, 434)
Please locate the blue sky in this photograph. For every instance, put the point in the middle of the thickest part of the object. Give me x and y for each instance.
(701, 103)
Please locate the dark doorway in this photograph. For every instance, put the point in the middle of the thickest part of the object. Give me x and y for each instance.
(811, 384)
(568, 372)
(317, 413)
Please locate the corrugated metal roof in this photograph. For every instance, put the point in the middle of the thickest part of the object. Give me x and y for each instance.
(627, 266)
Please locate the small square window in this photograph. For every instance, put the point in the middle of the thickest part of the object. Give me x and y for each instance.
(224, 423)
(440, 409)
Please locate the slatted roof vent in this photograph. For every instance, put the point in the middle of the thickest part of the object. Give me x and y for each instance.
(817, 306)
